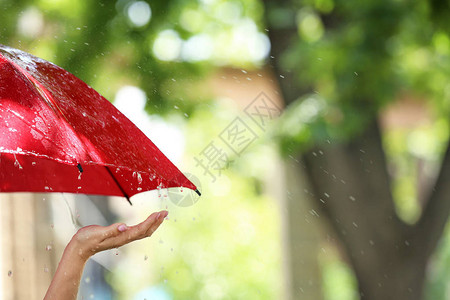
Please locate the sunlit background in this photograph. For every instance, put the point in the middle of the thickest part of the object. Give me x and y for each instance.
(185, 72)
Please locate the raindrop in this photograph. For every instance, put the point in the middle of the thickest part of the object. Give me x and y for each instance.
(243, 71)
(139, 189)
(186, 115)
(281, 76)
(176, 107)
(87, 279)
(326, 195)
(139, 178)
(16, 162)
(10, 273)
(79, 176)
(49, 248)
(46, 269)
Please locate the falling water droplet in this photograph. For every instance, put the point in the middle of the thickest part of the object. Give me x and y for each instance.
(16, 163)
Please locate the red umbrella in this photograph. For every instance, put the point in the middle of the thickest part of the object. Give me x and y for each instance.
(57, 134)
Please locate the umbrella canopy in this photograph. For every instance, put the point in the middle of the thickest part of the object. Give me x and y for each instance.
(57, 134)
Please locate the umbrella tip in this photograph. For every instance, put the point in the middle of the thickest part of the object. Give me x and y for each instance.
(198, 192)
(128, 199)
(80, 168)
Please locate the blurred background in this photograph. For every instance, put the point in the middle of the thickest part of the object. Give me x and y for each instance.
(317, 130)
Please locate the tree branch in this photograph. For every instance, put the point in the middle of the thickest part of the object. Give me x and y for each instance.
(428, 230)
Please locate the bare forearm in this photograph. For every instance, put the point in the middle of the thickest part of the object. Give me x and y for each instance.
(66, 280)
(88, 241)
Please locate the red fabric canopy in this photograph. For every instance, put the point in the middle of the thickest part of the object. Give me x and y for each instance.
(57, 134)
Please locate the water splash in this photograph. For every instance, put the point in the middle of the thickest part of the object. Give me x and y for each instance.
(16, 162)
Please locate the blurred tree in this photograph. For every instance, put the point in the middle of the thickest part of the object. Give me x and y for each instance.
(339, 63)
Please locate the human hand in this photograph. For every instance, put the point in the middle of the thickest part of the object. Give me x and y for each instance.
(94, 238)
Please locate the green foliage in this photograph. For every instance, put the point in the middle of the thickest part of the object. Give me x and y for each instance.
(359, 56)
(439, 272)
(339, 282)
(98, 42)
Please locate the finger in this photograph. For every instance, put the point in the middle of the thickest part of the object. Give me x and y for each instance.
(155, 225)
(138, 231)
(132, 233)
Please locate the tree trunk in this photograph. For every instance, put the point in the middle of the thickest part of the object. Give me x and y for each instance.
(350, 182)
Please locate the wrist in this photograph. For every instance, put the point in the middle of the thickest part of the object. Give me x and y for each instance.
(77, 251)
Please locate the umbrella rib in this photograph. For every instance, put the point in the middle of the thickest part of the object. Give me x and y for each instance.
(118, 185)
